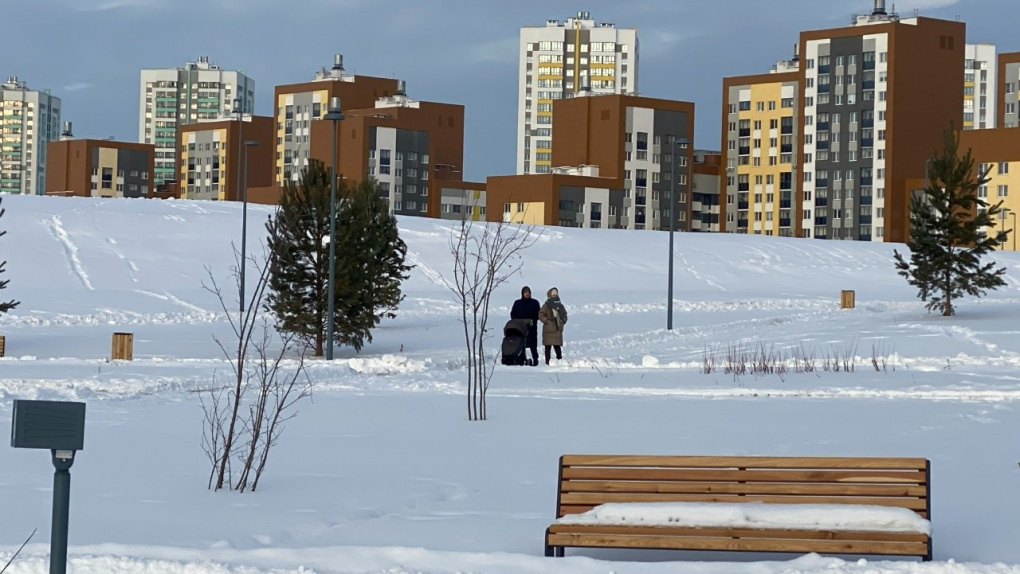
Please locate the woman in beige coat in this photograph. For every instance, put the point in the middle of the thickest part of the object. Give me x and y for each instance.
(553, 316)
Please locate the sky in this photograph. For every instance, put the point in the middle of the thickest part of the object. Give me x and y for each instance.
(381, 473)
(90, 52)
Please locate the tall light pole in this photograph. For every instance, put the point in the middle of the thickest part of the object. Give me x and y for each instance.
(335, 115)
(244, 219)
(674, 144)
(1013, 231)
(239, 111)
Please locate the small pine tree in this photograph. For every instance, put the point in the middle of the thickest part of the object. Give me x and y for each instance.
(369, 260)
(948, 237)
(9, 305)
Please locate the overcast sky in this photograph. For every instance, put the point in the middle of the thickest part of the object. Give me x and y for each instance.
(90, 52)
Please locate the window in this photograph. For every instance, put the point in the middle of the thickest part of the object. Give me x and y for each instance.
(1003, 191)
(1003, 167)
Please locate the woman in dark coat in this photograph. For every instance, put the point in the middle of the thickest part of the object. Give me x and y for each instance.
(553, 316)
(527, 308)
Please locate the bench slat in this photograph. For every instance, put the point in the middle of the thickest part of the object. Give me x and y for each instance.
(565, 509)
(836, 489)
(739, 544)
(675, 474)
(744, 462)
(737, 533)
(604, 497)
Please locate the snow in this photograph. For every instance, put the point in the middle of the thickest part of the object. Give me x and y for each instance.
(380, 471)
(827, 517)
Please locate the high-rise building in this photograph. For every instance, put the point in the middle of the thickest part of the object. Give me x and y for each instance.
(1008, 107)
(620, 160)
(213, 155)
(980, 87)
(170, 97)
(30, 119)
(759, 152)
(557, 61)
(98, 168)
(298, 105)
(878, 97)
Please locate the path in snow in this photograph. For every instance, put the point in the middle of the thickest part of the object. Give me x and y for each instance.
(71, 250)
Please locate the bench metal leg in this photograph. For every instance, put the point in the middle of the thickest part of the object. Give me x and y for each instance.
(560, 551)
(548, 551)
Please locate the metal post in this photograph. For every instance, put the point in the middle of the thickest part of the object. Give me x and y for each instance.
(672, 202)
(331, 292)
(244, 219)
(239, 110)
(61, 510)
(1013, 214)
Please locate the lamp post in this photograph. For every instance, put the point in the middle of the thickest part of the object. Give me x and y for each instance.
(1013, 231)
(675, 143)
(239, 112)
(335, 115)
(244, 218)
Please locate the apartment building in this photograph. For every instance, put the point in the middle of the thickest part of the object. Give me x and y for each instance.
(980, 88)
(29, 120)
(557, 61)
(213, 154)
(878, 96)
(617, 160)
(759, 152)
(298, 105)
(460, 200)
(997, 153)
(99, 168)
(411, 148)
(173, 97)
(706, 195)
(1008, 105)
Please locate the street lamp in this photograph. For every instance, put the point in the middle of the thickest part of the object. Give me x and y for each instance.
(1013, 231)
(335, 115)
(244, 218)
(674, 143)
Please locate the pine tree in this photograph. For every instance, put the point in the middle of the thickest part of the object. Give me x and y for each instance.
(948, 237)
(9, 305)
(369, 260)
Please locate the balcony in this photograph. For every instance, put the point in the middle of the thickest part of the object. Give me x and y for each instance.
(864, 219)
(745, 132)
(868, 65)
(866, 180)
(744, 151)
(864, 238)
(868, 143)
(784, 223)
(821, 201)
(743, 205)
(868, 123)
(866, 200)
(785, 204)
(824, 69)
(822, 145)
(821, 183)
(869, 85)
(821, 220)
(786, 129)
(641, 200)
(744, 186)
(825, 89)
(742, 223)
(786, 148)
(785, 185)
(822, 126)
(642, 182)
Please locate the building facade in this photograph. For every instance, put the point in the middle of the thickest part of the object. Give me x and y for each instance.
(29, 120)
(576, 197)
(706, 192)
(878, 97)
(172, 97)
(460, 200)
(759, 152)
(99, 168)
(557, 61)
(980, 87)
(298, 105)
(1008, 108)
(633, 140)
(997, 154)
(212, 165)
(409, 147)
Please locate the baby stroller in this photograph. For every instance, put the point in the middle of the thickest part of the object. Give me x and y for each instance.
(515, 338)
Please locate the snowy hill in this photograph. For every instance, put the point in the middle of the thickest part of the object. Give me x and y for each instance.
(406, 470)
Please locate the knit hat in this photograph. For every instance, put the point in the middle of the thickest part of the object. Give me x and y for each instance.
(525, 289)
(554, 292)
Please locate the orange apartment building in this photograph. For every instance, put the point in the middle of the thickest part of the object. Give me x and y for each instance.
(212, 157)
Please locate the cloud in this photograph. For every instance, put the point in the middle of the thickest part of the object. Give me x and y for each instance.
(78, 86)
(502, 51)
(105, 5)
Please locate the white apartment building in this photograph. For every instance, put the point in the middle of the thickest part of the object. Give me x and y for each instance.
(980, 81)
(198, 91)
(557, 61)
(30, 119)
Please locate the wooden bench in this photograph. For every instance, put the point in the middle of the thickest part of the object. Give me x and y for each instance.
(588, 481)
